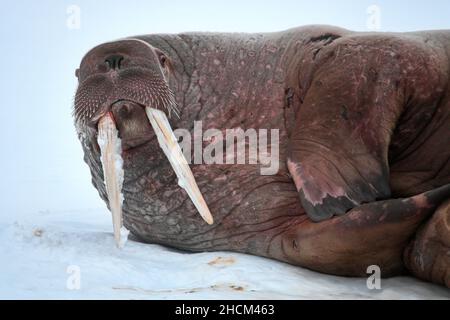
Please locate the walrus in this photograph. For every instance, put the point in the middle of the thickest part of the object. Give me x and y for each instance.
(364, 144)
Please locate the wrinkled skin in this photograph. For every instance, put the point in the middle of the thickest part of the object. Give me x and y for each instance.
(364, 124)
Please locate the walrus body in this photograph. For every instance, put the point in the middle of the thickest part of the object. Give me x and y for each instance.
(364, 127)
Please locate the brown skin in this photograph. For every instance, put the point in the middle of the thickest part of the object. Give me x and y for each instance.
(363, 118)
(430, 247)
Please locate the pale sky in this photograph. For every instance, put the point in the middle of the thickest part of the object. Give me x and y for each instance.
(42, 162)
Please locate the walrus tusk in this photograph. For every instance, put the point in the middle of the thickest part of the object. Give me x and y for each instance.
(174, 154)
(110, 146)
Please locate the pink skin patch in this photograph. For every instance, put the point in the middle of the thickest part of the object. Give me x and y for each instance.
(315, 191)
(421, 201)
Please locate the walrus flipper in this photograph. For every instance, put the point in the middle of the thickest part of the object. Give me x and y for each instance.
(377, 233)
(339, 146)
(427, 256)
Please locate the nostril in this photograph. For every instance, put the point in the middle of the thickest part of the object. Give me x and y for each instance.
(114, 61)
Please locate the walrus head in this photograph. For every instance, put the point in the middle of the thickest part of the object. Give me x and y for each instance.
(126, 82)
(130, 71)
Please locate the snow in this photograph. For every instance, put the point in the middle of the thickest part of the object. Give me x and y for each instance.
(124, 232)
(42, 252)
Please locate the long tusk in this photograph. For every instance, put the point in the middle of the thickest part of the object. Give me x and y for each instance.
(172, 150)
(110, 147)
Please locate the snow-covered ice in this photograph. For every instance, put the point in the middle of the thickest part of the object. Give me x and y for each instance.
(41, 253)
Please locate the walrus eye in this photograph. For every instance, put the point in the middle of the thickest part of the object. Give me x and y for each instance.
(162, 60)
